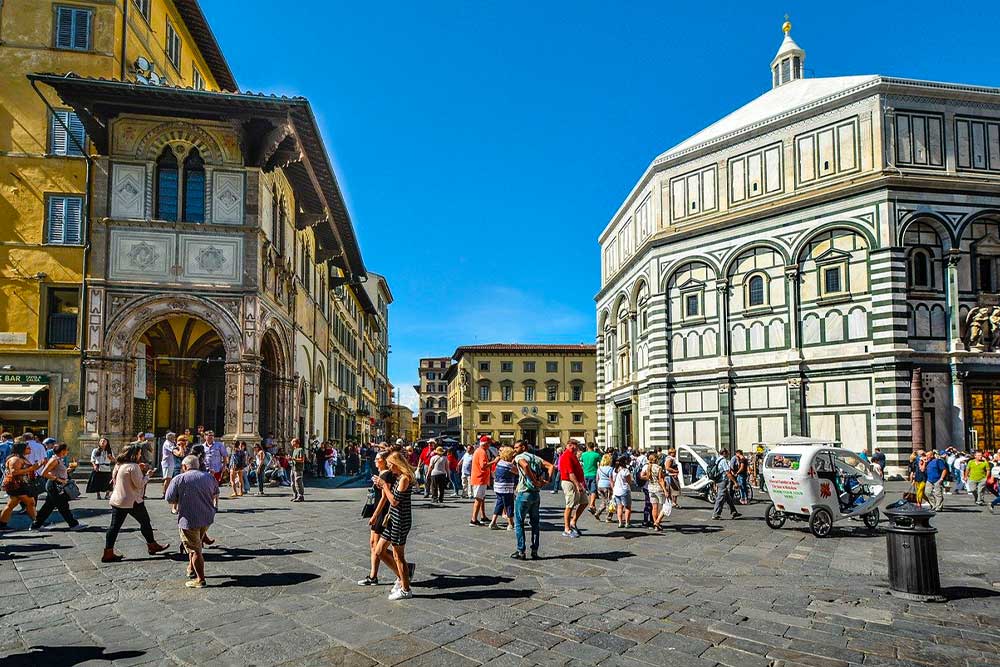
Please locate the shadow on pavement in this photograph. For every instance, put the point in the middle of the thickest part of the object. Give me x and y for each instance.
(461, 581)
(265, 580)
(967, 593)
(604, 555)
(66, 656)
(254, 510)
(690, 528)
(499, 594)
(8, 549)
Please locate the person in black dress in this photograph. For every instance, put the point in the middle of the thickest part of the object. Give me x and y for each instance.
(379, 522)
(400, 518)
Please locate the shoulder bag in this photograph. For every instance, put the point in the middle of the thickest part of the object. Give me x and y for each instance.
(370, 503)
(71, 490)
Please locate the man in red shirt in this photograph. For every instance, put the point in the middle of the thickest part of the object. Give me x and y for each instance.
(480, 479)
(425, 463)
(571, 475)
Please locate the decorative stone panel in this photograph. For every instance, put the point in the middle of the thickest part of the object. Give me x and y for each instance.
(227, 198)
(210, 259)
(128, 191)
(146, 256)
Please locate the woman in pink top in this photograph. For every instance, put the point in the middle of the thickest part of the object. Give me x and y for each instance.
(128, 483)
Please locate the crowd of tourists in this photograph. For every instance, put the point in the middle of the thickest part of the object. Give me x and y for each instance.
(609, 485)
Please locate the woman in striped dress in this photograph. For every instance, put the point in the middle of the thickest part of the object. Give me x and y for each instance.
(399, 520)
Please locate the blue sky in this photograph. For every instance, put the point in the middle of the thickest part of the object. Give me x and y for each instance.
(483, 146)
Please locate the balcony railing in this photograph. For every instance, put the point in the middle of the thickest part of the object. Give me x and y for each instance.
(61, 329)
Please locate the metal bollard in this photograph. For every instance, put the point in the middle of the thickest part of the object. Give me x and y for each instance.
(912, 550)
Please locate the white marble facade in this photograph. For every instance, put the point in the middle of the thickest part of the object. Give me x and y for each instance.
(793, 267)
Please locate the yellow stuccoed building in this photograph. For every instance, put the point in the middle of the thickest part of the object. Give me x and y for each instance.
(45, 168)
(543, 394)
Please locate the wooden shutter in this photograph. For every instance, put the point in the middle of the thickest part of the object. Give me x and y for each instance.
(74, 215)
(81, 29)
(57, 216)
(78, 134)
(58, 138)
(64, 27)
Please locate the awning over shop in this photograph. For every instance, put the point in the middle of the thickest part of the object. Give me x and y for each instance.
(20, 392)
(552, 441)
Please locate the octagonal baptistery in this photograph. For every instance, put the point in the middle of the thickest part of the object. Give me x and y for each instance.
(823, 261)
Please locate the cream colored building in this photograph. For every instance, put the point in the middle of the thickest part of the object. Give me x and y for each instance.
(544, 394)
(823, 261)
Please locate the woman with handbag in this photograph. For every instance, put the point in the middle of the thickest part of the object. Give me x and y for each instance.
(18, 482)
(59, 490)
(376, 510)
(101, 460)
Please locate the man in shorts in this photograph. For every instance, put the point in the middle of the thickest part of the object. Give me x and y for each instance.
(480, 479)
(195, 492)
(571, 476)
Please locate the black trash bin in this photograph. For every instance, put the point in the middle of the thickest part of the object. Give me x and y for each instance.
(912, 549)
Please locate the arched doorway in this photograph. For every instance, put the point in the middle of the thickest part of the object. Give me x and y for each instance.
(270, 385)
(180, 377)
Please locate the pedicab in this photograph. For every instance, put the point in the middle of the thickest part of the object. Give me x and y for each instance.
(822, 483)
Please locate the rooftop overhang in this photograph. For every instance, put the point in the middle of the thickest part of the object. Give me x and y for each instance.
(277, 132)
(208, 46)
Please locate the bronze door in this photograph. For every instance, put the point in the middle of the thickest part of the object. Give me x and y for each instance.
(984, 415)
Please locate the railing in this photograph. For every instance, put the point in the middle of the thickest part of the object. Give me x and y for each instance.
(61, 329)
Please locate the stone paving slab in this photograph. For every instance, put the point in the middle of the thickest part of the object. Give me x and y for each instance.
(282, 591)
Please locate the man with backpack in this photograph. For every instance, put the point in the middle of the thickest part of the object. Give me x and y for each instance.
(720, 471)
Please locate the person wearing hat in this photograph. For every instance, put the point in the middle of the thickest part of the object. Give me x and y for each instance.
(437, 472)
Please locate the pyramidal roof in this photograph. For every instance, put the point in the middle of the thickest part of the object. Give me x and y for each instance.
(775, 102)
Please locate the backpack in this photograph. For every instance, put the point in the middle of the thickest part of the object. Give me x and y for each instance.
(713, 471)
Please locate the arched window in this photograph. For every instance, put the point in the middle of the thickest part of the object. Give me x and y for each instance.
(920, 269)
(166, 185)
(194, 187)
(755, 291)
(430, 418)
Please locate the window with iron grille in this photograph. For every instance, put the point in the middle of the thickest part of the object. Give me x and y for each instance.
(63, 310)
(73, 27)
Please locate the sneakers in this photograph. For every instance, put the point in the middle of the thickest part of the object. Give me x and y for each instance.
(510, 526)
(368, 581)
(195, 583)
(736, 515)
(43, 528)
(401, 594)
(518, 555)
(534, 555)
(716, 517)
(494, 526)
(79, 526)
(570, 533)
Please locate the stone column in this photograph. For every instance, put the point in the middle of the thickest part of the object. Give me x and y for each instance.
(725, 416)
(248, 417)
(600, 396)
(232, 401)
(117, 420)
(792, 298)
(797, 424)
(958, 435)
(722, 308)
(952, 301)
(633, 335)
(917, 409)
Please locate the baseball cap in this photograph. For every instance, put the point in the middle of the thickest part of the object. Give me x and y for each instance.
(484, 438)
(49, 441)
(399, 441)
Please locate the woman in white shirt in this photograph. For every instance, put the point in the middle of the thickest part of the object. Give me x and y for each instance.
(605, 473)
(622, 489)
(101, 459)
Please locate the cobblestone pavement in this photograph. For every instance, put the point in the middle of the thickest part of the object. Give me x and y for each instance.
(282, 591)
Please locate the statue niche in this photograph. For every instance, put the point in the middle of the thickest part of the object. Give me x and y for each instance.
(982, 329)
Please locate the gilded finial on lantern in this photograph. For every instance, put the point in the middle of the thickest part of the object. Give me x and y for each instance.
(786, 27)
